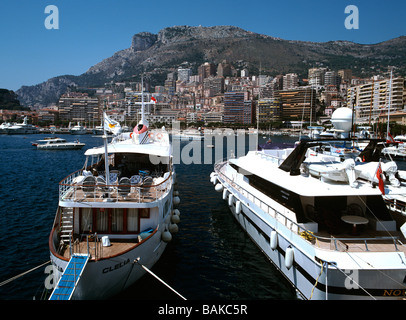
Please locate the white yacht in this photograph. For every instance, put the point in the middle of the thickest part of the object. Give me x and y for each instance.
(327, 230)
(78, 129)
(55, 143)
(4, 126)
(22, 128)
(188, 135)
(115, 215)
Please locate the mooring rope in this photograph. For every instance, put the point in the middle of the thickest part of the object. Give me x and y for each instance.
(22, 274)
(154, 275)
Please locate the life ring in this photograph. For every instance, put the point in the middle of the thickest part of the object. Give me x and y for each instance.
(151, 135)
(159, 136)
(131, 135)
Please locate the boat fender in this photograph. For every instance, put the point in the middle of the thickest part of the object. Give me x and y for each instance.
(218, 187)
(176, 212)
(230, 199)
(166, 236)
(173, 228)
(175, 219)
(274, 240)
(213, 174)
(213, 180)
(176, 200)
(289, 256)
(238, 207)
(225, 194)
(167, 219)
(176, 193)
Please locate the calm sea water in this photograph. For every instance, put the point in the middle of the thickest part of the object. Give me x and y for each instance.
(210, 258)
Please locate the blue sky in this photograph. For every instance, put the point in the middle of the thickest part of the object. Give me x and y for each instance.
(90, 31)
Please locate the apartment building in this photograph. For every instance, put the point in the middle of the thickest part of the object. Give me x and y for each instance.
(290, 81)
(297, 103)
(269, 110)
(76, 106)
(371, 99)
(238, 108)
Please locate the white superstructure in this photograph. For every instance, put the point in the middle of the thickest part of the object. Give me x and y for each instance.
(325, 229)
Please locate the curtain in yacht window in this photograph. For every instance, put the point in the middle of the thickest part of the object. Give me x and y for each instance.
(102, 220)
(132, 220)
(87, 220)
(117, 220)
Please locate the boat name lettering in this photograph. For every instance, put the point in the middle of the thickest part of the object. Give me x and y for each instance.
(395, 292)
(115, 267)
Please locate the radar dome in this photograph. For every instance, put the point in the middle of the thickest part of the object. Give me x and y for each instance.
(342, 119)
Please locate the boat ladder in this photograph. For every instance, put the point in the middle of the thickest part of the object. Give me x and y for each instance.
(67, 225)
(70, 277)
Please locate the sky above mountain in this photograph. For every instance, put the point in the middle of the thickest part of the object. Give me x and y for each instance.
(90, 31)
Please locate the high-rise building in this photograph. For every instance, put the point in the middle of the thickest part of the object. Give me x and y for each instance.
(332, 78)
(76, 106)
(297, 103)
(371, 99)
(238, 109)
(184, 74)
(345, 74)
(269, 110)
(290, 81)
(316, 76)
(205, 70)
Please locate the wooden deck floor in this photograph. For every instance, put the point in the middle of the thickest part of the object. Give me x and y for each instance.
(97, 250)
(366, 240)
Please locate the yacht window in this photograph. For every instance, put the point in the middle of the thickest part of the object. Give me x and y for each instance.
(289, 199)
(86, 223)
(102, 220)
(132, 220)
(117, 220)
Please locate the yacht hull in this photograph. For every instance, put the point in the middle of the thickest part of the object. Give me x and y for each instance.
(108, 277)
(311, 271)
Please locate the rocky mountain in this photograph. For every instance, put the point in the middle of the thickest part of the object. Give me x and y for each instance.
(160, 53)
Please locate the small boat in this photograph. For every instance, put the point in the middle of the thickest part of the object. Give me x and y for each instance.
(54, 143)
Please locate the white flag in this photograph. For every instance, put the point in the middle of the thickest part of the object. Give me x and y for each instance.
(111, 125)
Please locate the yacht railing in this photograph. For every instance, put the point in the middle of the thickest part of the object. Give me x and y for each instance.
(72, 188)
(300, 228)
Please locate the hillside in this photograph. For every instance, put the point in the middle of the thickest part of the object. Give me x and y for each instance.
(9, 101)
(161, 53)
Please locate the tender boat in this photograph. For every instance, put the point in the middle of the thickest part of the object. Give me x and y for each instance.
(115, 215)
(54, 143)
(327, 231)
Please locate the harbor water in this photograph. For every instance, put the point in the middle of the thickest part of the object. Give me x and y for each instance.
(210, 258)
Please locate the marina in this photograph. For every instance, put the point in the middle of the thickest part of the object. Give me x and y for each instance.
(206, 232)
(209, 258)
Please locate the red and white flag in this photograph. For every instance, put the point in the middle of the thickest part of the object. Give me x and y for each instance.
(380, 179)
(153, 99)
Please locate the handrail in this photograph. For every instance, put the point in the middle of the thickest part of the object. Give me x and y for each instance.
(288, 221)
(68, 188)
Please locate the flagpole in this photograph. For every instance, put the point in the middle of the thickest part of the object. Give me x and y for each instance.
(106, 158)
